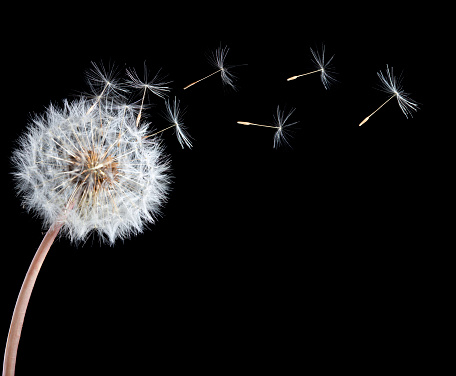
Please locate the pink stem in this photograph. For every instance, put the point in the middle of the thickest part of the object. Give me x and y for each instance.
(9, 361)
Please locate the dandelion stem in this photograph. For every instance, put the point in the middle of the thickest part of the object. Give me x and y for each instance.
(258, 125)
(14, 334)
(193, 83)
(304, 74)
(368, 117)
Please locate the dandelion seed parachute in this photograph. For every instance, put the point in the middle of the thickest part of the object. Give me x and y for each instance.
(326, 71)
(217, 60)
(324, 67)
(280, 123)
(175, 118)
(392, 86)
(155, 85)
(96, 160)
(104, 81)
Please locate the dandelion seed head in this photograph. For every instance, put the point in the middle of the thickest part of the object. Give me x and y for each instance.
(95, 166)
(393, 86)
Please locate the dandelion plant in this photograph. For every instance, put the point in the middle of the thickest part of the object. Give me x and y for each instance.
(87, 167)
(217, 60)
(391, 85)
(324, 68)
(280, 124)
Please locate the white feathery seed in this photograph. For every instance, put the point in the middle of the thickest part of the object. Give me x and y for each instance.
(324, 67)
(90, 164)
(326, 71)
(156, 85)
(175, 117)
(280, 121)
(217, 60)
(393, 86)
(104, 82)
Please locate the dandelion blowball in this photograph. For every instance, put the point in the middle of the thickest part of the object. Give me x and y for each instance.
(91, 166)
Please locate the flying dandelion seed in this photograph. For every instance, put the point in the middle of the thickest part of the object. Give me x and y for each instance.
(86, 167)
(217, 60)
(280, 123)
(175, 117)
(155, 86)
(324, 67)
(392, 86)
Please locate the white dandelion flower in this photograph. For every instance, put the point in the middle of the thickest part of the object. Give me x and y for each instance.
(279, 123)
(86, 167)
(324, 67)
(99, 163)
(393, 86)
(217, 59)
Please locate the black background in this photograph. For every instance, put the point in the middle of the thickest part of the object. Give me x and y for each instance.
(314, 255)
